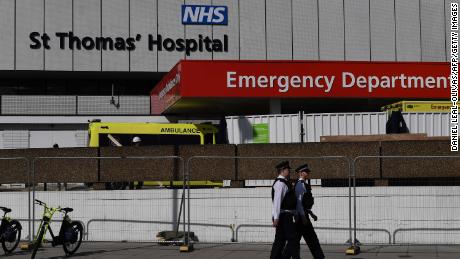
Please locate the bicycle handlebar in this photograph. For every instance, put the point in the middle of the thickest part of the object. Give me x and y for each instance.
(39, 202)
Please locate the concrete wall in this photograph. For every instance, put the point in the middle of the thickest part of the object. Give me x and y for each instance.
(49, 169)
(327, 161)
(419, 167)
(139, 169)
(387, 208)
(324, 168)
(401, 30)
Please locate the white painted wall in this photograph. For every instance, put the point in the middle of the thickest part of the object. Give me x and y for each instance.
(387, 208)
(434, 124)
(64, 138)
(378, 30)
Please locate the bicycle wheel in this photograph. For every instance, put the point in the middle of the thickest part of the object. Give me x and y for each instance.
(12, 236)
(73, 237)
(38, 241)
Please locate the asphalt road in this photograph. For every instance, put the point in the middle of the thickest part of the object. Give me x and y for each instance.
(233, 251)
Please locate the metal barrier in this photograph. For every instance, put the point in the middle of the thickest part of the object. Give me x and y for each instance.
(265, 198)
(153, 222)
(423, 211)
(318, 228)
(421, 229)
(134, 205)
(235, 227)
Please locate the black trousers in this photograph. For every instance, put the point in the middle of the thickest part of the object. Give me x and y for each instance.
(309, 235)
(285, 232)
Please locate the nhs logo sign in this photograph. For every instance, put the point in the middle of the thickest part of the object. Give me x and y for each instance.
(204, 14)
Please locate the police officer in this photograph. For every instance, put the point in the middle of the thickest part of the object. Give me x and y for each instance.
(305, 202)
(283, 214)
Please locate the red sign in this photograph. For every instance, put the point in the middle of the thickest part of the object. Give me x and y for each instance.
(167, 92)
(306, 79)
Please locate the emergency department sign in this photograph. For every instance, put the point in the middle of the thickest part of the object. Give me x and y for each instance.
(303, 79)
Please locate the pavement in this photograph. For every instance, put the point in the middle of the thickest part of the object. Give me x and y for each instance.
(233, 251)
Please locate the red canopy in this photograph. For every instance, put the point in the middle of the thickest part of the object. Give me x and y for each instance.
(204, 83)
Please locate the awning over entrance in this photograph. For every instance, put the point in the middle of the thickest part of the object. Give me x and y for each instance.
(244, 87)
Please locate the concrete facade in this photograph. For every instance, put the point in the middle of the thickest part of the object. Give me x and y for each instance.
(366, 30)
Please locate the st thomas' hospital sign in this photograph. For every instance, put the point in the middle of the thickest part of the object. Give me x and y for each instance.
(190, 15)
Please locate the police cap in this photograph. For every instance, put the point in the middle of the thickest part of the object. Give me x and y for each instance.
(303, 168)
(283, 165)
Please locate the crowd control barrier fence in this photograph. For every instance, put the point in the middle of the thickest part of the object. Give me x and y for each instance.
(411, 210)
(139, 211)
(248, 210)
(414, 209)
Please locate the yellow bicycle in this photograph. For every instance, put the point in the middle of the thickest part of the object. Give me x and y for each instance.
(70, 234)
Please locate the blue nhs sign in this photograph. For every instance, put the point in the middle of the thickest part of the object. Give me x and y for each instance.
(204, 14)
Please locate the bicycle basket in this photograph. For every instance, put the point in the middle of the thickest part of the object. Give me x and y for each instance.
(10, 234)
(70, 236)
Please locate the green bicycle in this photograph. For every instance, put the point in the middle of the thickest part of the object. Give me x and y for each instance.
(70, 234)
(10, 232)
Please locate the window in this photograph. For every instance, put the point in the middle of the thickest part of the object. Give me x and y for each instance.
(149, 139)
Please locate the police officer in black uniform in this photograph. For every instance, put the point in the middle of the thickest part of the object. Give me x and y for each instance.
(305, 202)
(284, 214)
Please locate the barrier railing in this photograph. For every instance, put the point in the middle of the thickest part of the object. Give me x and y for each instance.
(317, 228)
(186, 170)
(153, 222)
(344, 161)
(135, 204)
(416, 207)
(421, 229)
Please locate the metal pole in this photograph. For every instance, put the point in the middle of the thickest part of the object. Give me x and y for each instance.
(188, 194)
(33, 199)
(350, 169)
(354, 203)
(28, 196)
(183, 195)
